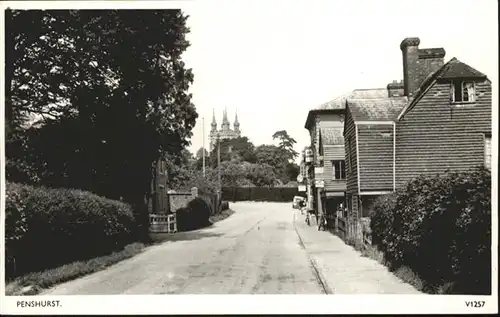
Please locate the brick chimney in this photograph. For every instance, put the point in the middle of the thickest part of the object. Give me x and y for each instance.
(396, 89)
(418, 63)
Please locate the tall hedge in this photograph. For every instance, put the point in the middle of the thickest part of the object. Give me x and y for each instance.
(440, 227)
(50, 227)
(276, 194)
(194, 216)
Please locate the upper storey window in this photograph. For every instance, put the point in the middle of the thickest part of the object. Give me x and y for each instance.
(463, 91)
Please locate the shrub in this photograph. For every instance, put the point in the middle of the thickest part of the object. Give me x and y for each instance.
(440, 228)
(224, 205)
(194, 216)
(382, 218)
(50, 227)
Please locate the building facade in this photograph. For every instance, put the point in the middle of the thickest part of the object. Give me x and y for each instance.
(437, 120)
(327, 172)
(225, 132)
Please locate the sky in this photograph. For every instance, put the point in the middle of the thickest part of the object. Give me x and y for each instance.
(273, 61)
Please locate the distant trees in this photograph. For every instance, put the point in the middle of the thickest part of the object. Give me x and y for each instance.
(93, 99)
(243, 164)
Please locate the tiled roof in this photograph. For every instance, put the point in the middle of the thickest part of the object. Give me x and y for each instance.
(331, 136)
(456, 69)
(383, 109)
(452, 69)
(339, 102)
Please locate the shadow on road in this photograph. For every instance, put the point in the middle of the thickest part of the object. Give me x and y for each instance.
(183, 236)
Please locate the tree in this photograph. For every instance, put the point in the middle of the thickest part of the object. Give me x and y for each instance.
(275, 157)
(234, 149)
(286, 143)
(292, 170)
(260, 174)
(111, 99)
(199, 153)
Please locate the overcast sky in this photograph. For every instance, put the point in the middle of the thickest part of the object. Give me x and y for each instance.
(273, 61)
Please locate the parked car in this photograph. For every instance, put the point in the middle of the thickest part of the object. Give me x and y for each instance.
(296, 202)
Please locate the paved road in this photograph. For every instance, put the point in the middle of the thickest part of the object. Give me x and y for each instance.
(255, 251)
(264, 248)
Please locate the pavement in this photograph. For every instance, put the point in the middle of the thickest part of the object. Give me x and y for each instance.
(263, 248)
(343, 269)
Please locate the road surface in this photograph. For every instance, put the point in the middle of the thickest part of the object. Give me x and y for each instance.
(258, 250)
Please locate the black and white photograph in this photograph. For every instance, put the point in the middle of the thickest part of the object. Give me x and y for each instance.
(340, 154)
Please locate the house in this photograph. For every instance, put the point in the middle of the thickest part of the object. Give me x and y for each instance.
(437, 120)
(327, 174)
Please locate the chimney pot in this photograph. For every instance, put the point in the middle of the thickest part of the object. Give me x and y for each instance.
(409, 41)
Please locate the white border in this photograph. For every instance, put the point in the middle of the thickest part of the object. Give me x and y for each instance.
(248, 304)
(253, 304)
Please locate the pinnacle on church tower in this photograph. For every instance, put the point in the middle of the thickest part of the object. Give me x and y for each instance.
(214, 123)
(225, 121)
(236, 122)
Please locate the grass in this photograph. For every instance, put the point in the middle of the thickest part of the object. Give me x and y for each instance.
(404, 273)
(34, 283)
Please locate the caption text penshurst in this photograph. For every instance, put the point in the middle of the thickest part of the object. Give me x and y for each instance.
(38, 303)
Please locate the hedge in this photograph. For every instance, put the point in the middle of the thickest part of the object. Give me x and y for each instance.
(46, 227)
(194, 216)
(276, 194)
(440, 227)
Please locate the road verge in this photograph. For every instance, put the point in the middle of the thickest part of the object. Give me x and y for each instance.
(36, 282)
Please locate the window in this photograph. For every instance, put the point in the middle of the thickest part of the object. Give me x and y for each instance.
(463, 91)
(487, 152)
(338, 169)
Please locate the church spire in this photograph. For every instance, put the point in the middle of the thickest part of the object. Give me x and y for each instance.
(214, 123)
(225, 121)
(236, 122)
(224, 117)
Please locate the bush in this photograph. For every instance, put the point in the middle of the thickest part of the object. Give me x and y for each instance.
(50, 227)
(440, 227)
(382, 218)
(194, 216)
(224, 205)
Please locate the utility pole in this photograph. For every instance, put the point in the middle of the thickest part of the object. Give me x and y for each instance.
(203, 149)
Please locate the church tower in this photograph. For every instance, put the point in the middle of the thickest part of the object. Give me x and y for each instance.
(225, 131)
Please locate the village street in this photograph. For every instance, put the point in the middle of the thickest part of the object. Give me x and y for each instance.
(264, 248)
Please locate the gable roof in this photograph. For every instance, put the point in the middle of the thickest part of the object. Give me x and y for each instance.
(339, 103)
(331, 136)
(382, 109)
(452, 69)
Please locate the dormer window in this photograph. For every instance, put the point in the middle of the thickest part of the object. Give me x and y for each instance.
(463, 91)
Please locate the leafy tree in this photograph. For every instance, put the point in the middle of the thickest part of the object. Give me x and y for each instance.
(199, 153)
(275, 157)
(286, 143)
(110, 98)
(260, 174)
(230, 149)
(292, 170)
